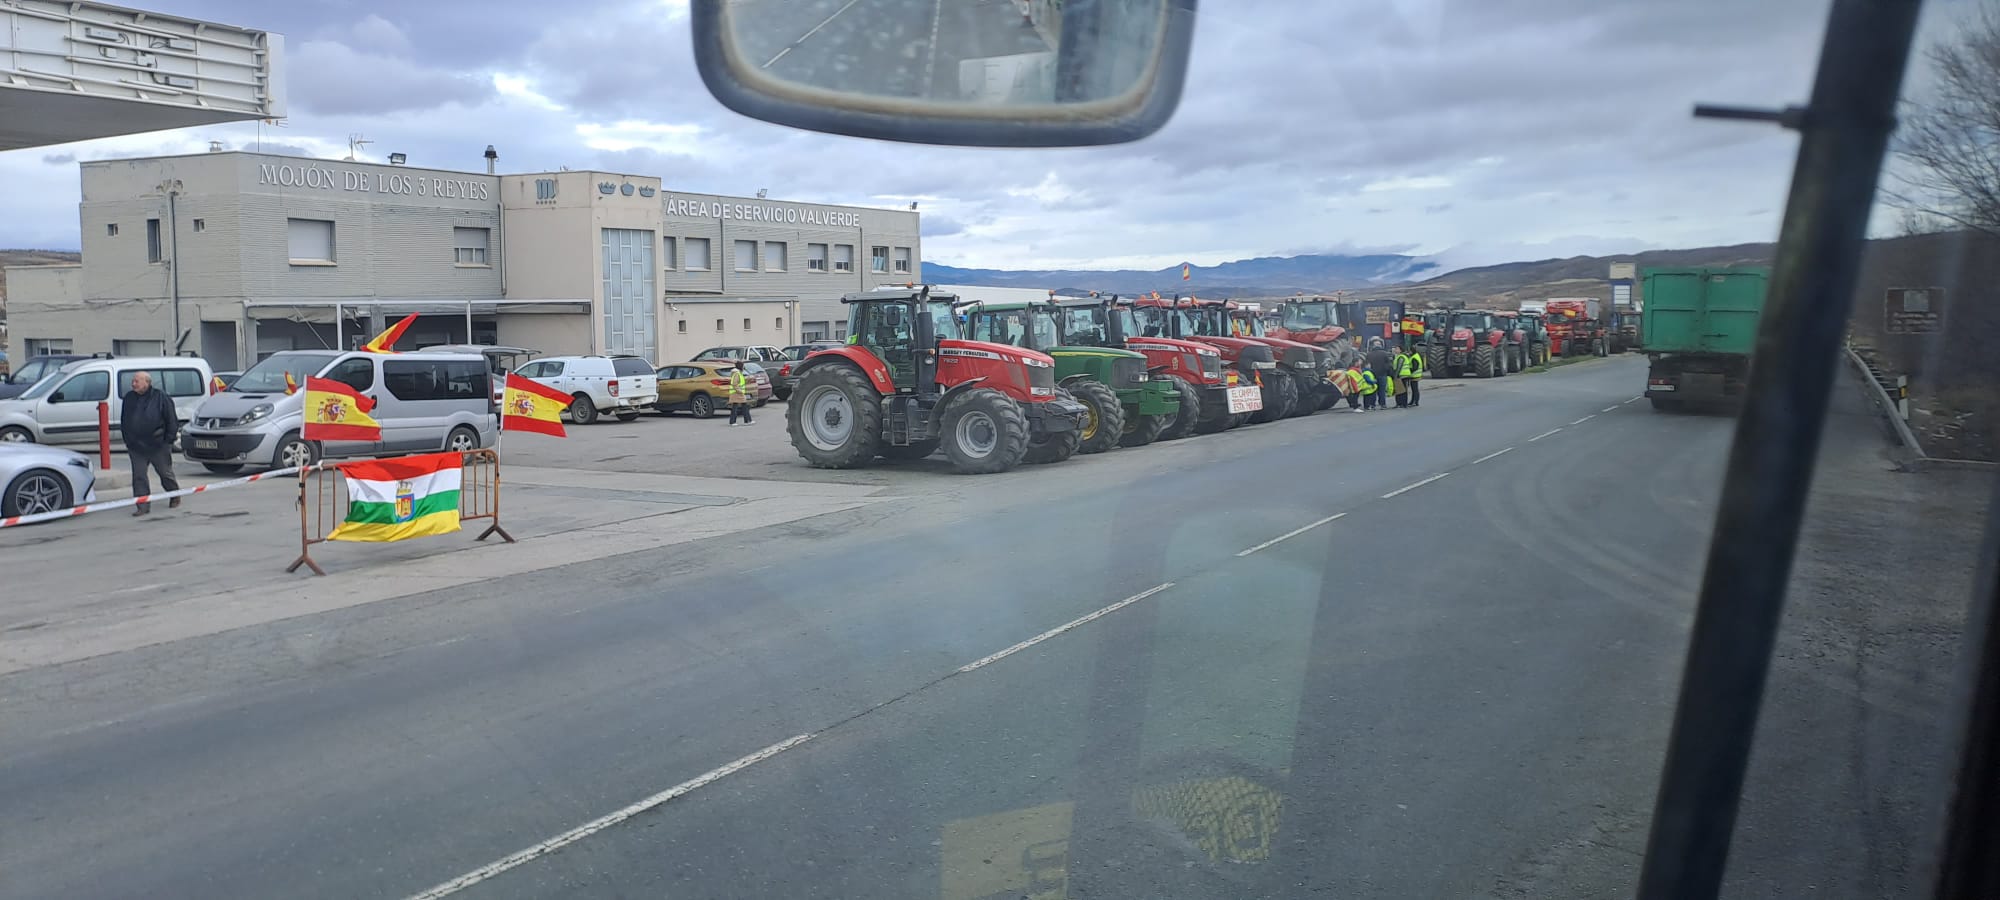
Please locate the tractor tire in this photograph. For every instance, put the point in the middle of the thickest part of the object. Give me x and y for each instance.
(1104, 425)
(1142, 430)
(837, 423)
(1281, 393)
(1304, 401)
(1214, 419)
(914, 451)
(1500, 361)
(1054, 447)
(1183, 423)
(1434, 359)
(984, 432)
(1482, 361)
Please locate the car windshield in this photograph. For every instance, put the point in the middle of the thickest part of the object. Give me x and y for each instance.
(268, 375)
(43, 386)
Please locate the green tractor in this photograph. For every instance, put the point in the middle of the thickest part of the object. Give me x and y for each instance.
(1127, 407)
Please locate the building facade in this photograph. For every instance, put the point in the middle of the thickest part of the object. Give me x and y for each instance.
(249, 254)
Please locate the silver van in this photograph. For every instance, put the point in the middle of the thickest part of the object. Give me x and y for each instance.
(425, 402)
(62, 407)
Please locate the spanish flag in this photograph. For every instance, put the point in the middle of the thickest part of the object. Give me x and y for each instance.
(291, 387)
(386, 341)
(399, 498)
(1186, 271)
(215, 385)
(336, 412)
(528, 406)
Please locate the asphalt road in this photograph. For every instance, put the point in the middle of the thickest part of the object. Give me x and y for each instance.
(883, 48)
(1407, 654)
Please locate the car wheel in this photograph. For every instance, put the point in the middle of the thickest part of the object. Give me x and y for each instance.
(223, 468)
(581, 410)
(701, 405)
(15, 434)
(36, 491)
(461, 440)
(294, 453)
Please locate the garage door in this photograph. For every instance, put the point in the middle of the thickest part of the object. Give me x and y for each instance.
(629, 314)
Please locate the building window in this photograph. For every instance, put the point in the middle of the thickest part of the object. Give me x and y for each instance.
(815, 257)
(776, 256)
(684, 326)
(153, 253)
(697, 254)
(903, 260)
(746, 324)
(878, 259)
(46, 346)
(843, 257)
(138, 348)
(470, 244)
(111, 229)
(778, 323)
(746, 256)
(718, 326)
(668, 260)
(201, 224)
(310, 241)
(813, 331)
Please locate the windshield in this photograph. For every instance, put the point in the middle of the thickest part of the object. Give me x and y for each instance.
(1152, 321)
(46, 384)
(1083, 326)
(1308, 316)
(268, 375)
(945, 320)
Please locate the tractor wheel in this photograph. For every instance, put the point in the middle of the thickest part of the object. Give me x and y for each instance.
(1104, 423)
(1281, 393)
(837, 423)
(1304, 401)
(916, 450)
(984, 432)
(1482, 361)
(1055, 446)
(1434, 359)
(1183, 422)
(1500, 361)
(1214, 418)
(1142, 430)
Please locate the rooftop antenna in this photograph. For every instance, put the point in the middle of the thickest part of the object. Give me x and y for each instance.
(354, 144)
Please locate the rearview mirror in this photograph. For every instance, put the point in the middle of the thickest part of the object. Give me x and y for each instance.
(998, 73)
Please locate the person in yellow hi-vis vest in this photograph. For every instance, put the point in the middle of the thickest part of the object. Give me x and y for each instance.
(1412, 374)
(741, 389)
(1350, 385)
(1371, 390)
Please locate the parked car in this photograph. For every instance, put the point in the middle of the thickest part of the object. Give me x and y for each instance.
(499, 361)
(17, 381)
(623, 386)
(424, 401)
(766, 389)
(760, 354)
(62, 407)
(702, 387)
(43, 479)
(784, 380)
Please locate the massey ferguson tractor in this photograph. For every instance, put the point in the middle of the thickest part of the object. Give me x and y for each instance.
(1513, 341)
(1125, 407)
(1474, 346)
(1207, 321)
(1317, 322)
(909, 382)
(1437, 333)
(1309, 365)
(1537, 330)
(1230, 389)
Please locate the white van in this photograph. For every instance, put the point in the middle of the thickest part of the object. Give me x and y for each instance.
(624, 386)
(62, 407)
(425, 401)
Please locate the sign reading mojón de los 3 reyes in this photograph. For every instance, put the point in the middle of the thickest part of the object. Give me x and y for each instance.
(327, 178)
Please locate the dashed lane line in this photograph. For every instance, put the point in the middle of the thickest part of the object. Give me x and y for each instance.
(1609, 408)
(1290, 534)
(1059, 629)
(1543, 435)
(1636, 399)
(1584, 419)
(1490, 456)
(815, 30)
(1413, 486)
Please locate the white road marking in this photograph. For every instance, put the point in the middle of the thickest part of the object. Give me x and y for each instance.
(1610, 408)
(815, 30)
(1489, 456)
(1543, 435)
(1412, 487)
(599, 824)
(1636, 399)
(1059, 629)
(1584, 419)
(930, 59)
(1291, 534)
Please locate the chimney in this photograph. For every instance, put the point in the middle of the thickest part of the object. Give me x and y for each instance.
(492, 156)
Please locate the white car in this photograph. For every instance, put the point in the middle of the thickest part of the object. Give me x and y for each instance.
(62, 407)
(623, 386)
(43, 479)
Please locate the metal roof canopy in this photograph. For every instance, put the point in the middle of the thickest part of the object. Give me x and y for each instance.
(74, 71)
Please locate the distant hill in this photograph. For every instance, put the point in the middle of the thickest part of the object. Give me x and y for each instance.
(1244, 277)
(1506, 285)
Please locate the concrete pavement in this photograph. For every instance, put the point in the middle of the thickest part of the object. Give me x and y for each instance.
(1365, 680)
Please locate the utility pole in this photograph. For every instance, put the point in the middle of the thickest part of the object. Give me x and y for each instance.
(172, 188)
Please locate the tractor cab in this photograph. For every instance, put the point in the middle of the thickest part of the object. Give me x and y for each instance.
(1124, 407)
(904, 329)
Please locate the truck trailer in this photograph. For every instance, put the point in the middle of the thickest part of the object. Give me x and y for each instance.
(1698, 328)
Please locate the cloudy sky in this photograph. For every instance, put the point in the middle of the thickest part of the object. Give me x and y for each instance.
(1479, 130)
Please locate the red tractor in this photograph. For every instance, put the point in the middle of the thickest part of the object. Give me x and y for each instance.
(1514, 344)
(1474, 345)
(1577, 327)
(907, 382)
(1309, 366)
(1238, 362)
(1317, 322)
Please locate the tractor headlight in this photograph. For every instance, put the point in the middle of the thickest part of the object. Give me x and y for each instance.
(1041, 392)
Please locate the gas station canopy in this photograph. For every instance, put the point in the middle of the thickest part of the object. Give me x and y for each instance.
(73, 71)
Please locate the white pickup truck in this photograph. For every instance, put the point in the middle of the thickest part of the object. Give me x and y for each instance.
(623, 386)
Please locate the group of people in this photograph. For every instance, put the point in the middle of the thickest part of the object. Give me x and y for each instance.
(1381, 374)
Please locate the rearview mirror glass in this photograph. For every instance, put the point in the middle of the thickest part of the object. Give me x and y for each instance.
(986, 73)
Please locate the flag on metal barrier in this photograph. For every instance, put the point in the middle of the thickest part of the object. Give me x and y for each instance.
(386, 341)
(399, 498)
(335, 411)
(526, 405)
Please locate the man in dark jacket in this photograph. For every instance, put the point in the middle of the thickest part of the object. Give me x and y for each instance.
(148, 424)
(1384, 367)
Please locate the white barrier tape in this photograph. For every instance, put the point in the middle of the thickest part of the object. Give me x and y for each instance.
(12, 521)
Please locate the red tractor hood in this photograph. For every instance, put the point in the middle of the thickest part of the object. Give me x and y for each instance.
(1004, 351)
(1166, 343)
(1327, 335)
(1233, 344)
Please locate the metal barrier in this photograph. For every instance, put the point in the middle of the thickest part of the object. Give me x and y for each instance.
(101, 506)
(323, 502)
